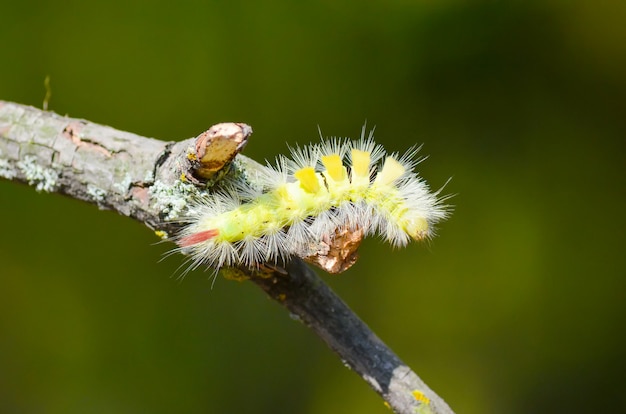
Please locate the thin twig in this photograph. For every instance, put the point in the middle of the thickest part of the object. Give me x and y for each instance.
(140, 177)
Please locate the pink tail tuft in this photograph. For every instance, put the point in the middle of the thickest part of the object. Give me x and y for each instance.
(198, 237)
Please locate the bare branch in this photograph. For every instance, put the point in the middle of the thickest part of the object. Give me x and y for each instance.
(140, 177)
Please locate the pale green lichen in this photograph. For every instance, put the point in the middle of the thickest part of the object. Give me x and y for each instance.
(44, 179)
(6, 170)
(97, 194)
(172, 200)
(149, 177)
(124, 185)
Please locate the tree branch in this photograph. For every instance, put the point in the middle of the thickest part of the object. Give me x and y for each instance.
(140, 178)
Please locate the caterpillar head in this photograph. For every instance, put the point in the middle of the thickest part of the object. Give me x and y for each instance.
(417, 228)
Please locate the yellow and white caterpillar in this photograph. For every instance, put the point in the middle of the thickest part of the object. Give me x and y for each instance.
(337, 184)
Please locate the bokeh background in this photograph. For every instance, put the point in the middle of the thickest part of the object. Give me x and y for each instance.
(517, 307)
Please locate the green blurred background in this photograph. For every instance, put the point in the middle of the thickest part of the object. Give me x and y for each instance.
(517, 307)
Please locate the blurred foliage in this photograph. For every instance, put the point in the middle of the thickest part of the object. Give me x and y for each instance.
(518, 306)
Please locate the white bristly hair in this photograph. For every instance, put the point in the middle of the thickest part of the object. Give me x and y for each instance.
(336, 184)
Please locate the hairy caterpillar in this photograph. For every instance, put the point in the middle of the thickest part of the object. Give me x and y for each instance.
(337, 184)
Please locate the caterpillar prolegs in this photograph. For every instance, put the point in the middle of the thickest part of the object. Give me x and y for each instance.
(335, 185)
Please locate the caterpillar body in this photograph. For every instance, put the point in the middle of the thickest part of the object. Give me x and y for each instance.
(337, 184)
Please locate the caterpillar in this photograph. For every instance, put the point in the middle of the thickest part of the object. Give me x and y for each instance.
(336, 184)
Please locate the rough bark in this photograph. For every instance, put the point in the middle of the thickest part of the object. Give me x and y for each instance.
(130, 174)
